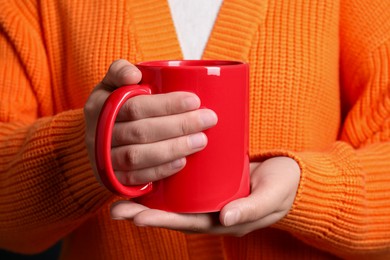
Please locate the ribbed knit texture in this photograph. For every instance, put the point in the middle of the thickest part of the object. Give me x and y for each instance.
(320, 93)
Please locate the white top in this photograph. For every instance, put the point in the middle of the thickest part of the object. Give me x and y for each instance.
(194, 20)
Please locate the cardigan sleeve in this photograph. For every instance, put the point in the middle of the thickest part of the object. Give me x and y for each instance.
(47, 185)
(343, 201)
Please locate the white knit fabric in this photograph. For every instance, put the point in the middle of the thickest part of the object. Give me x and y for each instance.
(194, 20)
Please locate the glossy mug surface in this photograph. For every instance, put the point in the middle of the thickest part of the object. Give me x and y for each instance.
(212, 177)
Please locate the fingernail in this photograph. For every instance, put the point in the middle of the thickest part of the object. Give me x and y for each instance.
(208, 117)
(197, 140)
(191, 103)
(231, 217)
(176, 164)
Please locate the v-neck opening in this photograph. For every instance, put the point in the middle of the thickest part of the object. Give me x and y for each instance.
(230, 38)
(193, 21)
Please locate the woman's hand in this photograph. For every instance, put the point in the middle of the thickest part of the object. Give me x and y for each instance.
(274, 184)
(153, 134)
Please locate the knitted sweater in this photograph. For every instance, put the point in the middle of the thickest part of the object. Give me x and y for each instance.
(319, 93)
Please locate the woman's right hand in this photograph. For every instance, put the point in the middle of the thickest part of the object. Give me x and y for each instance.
(152, 134)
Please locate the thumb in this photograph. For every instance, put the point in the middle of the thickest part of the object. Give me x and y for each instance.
(120, 73)
(274, 185)
(239, 211)
(262, 200)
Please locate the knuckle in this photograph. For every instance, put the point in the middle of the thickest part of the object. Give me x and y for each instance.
(131, 133)
(117, 135)
(185, 127)
(89, 108)
(132, 157)
(169, 107)
(139, 134)
(133, 109)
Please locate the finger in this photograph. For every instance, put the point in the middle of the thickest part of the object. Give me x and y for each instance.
(246, 217)
(120, 73)
(135, 157)
(121, 210)
(273, 185)
(247, 227)
(162, 128)
(188, 223)
(150, 174)
(145, 106)
(260, 203)
(244, 210)
(194, 223)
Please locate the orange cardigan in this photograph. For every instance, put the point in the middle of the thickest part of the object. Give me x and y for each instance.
(320, 93)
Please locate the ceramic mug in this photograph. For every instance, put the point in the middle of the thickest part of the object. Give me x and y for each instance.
(212, 177)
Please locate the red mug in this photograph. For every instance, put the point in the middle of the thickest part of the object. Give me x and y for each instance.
(212, 177)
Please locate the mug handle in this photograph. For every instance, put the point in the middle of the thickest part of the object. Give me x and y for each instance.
(103, 137)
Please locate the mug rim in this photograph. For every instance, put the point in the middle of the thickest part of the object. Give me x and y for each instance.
(190, 63)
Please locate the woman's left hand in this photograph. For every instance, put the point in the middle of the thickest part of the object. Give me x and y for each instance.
(274, 185)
